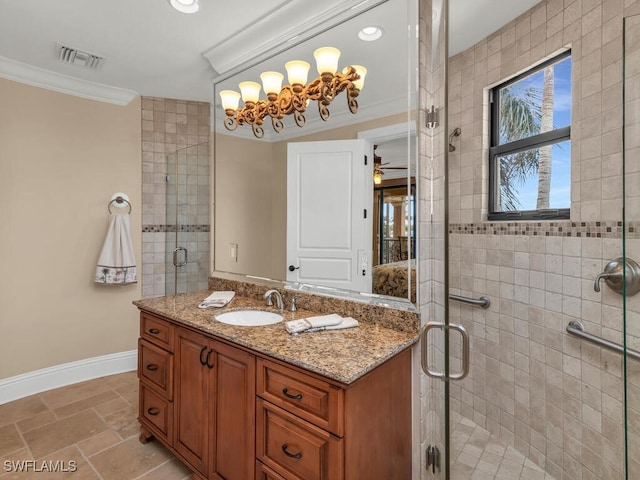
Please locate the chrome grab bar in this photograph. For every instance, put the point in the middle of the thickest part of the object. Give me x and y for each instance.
(576, 328)
(483, 302)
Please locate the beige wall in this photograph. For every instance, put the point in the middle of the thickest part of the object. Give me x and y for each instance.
(61, 159)
(251, 198)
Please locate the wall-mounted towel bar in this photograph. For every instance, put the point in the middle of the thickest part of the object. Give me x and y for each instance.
(119, 200)
(576, 328)
(483, 302)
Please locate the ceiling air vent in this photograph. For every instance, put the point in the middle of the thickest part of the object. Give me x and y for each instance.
(78, 57)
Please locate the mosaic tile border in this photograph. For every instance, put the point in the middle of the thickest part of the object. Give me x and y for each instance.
(175, 228)
(611, 229)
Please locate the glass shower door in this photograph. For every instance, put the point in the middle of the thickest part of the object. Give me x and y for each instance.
(631, 240)
(187, 220)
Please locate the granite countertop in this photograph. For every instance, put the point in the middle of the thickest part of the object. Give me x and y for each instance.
(341, 355)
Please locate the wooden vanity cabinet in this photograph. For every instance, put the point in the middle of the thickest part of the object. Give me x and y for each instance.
(214, 406)
(231, 414)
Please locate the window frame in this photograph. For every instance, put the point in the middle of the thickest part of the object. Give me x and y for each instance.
(496, 150)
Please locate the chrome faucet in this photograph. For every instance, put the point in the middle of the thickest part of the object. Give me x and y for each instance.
(269, 298)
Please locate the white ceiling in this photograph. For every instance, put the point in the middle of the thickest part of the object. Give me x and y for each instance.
(152, 50)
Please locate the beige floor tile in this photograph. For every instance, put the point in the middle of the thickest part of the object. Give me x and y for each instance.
(85, 403)
(36, 421)
(20, 455)
(73, 393)
(112, 406)
(62, 433)
(124, 422)
(20, 409)
(129, 459)
(99, 442)
(171, 470)
(10, 440)
(71, 460)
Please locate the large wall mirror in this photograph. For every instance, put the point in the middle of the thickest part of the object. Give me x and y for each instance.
(253, 213)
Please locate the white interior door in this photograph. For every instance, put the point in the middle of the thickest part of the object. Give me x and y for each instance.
(329, 213)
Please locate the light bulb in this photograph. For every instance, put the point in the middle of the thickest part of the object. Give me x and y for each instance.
(230, 99)
(185, 6)
(250, 91)
(327, 59)
(271, 82)
(360, 70)
(297, 71)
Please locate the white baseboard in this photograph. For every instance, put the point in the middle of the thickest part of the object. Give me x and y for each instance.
(30, 383)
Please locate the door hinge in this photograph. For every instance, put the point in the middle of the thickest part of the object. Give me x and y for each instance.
(365, 213)
(433, 117)
(433, 458)
(365, 160)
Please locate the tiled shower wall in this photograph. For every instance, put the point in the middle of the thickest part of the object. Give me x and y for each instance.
(556, 398)
(179, 129)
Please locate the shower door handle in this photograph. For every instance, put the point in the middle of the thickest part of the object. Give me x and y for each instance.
(175, 257)
(424, 354)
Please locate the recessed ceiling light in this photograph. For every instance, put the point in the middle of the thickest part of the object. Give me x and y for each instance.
(369, 34)
(185, 6)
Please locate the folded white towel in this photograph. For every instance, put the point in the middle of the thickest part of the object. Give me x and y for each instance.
(117, 264)
(347, 322)
(217, 299)
(322, 322)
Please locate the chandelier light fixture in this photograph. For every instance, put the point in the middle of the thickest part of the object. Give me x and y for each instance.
(294, 98)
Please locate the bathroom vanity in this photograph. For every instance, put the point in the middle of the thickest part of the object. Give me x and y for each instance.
(256, 402)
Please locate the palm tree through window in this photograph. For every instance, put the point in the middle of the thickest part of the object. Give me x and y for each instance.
(530, 149)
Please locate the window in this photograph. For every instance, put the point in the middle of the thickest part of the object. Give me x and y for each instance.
(530, 149)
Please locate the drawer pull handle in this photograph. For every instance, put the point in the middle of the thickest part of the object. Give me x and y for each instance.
(202, 361)
(154, 331)
(297, 456)
(153, 411)
(152, 367)
(206, 362)
(287, 394)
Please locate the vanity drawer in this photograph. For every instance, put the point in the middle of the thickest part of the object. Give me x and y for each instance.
(295, 449)
(157, 411)
(312, 399)
(155, 368)
(156, 330)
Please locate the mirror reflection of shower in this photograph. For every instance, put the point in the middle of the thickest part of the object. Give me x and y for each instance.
(456, 133)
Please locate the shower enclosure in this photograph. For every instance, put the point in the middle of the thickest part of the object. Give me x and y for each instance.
(187, 220)
(544, 397)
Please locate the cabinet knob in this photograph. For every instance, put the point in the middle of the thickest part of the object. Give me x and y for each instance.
(289, 454)
(288, 395)
(154, 331)
(152, 367)
(153, 411)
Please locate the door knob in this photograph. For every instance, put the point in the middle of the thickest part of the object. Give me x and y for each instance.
(292, 268)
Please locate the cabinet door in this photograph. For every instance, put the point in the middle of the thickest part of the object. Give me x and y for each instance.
(192, 397)
(233, 440)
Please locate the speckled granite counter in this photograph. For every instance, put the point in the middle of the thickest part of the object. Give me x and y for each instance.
(342, 355)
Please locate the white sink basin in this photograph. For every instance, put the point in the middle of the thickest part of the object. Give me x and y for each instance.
(249, 318)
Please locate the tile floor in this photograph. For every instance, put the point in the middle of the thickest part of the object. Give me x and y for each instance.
(92, 424)
(478, 455)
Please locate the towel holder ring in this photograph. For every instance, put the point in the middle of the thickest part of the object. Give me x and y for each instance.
(119, 200)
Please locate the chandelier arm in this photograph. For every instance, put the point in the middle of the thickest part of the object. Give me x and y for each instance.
(298, 116)
(230, 123)
(258, 131)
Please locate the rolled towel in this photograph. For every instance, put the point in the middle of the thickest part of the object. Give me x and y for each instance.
(217, 300)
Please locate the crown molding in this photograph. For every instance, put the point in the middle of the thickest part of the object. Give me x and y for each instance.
(256, 42)
(58, 82)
